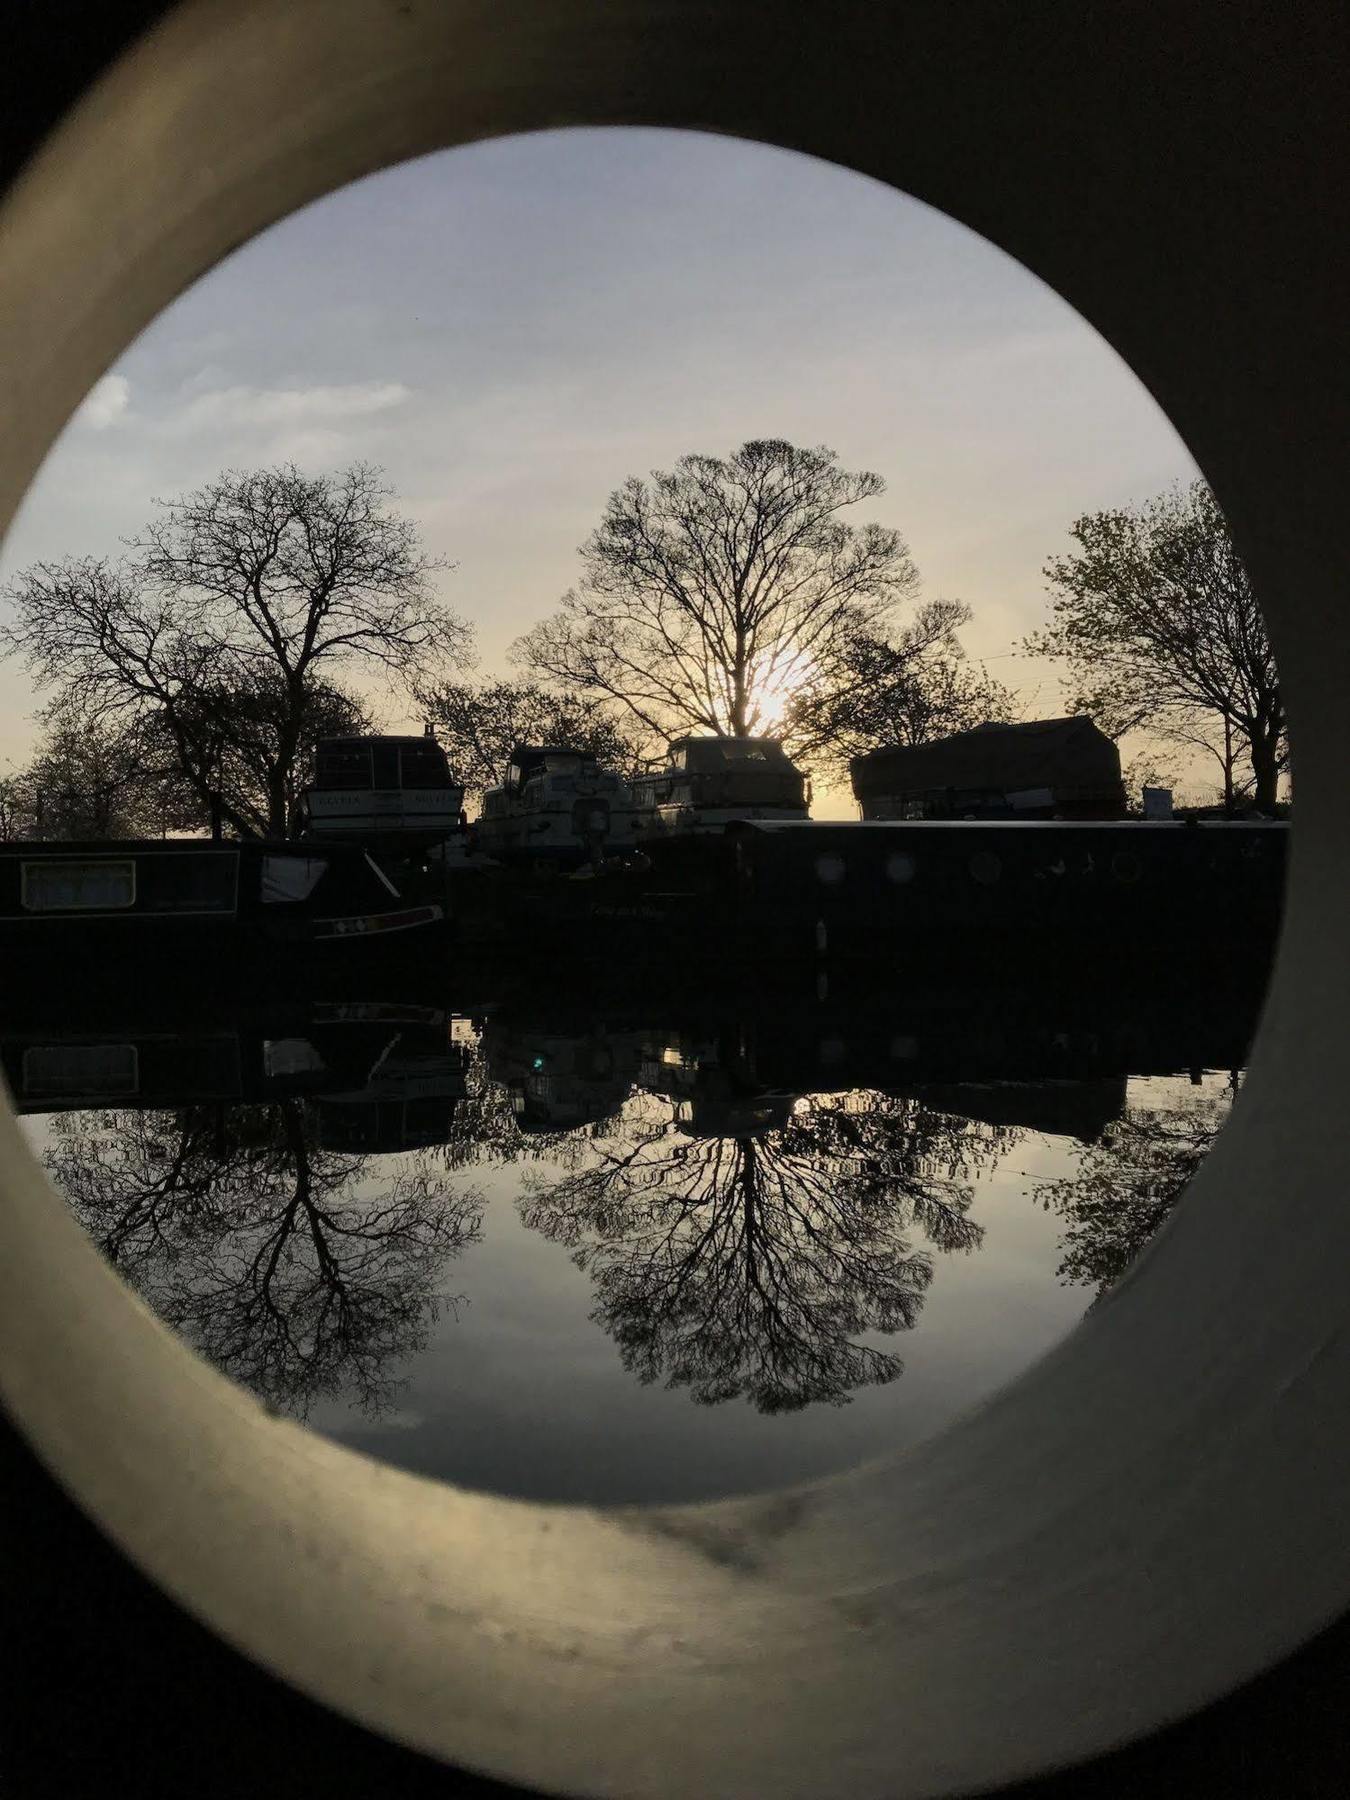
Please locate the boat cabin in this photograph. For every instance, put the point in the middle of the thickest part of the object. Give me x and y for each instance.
(378, 787)
(555, 804)
(150, 896)
(1035, 769)
(711, 782)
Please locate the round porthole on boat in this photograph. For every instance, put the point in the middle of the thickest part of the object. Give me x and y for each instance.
(985, 868)
(1125, 866)
(900, 868)
(830, 870)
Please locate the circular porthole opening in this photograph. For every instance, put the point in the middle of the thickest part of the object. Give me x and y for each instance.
(678, 1578)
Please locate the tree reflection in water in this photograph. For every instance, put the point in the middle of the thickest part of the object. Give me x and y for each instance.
(750, 1265)
(257, 1244)
(1129, 1180)
(741, 1243)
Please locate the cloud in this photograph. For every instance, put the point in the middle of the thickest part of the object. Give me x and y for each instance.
(232, 408)
(105, 403)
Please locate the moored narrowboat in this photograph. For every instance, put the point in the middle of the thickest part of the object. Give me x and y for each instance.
(139, 898)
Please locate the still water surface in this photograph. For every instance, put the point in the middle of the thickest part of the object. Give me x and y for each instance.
(630, 1250)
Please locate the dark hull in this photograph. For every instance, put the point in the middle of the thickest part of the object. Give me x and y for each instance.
(898, 894)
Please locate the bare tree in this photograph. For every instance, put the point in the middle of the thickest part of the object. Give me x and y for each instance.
(1157, 620)
(712, 592)
(265, 586)
(906, 689)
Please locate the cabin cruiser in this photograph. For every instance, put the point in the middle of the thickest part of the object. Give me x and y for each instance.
(558, 806)
(382, 789)
(711, 782)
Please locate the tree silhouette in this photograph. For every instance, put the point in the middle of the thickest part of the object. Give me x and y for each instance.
(1155, 615)
(1128, 1181)
(711, 592)
(749, 1266)
(256, 1245)
(229, 625)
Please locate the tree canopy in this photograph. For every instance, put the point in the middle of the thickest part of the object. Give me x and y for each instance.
(711, 592)
(229, 627)
(94, 778)
(910, 688)
(1156, 618)
(481, 723)
(1128, 1181)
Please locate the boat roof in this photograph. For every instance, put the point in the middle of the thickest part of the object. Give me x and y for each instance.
(911, 826)
(1028, 753)
(377, 737)
(525, 754)
(711, 752)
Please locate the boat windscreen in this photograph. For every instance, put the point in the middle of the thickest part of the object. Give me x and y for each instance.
(424, 765)
(342, 766)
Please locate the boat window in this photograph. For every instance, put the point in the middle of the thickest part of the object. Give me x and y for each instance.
(384, 763)
(899, 868)
(424, 766)
(744, 751)
(288, 878)
(189, 881)
(66, 884)
(985, 868)
(79, 1069)
(342, 766)
(830, 870)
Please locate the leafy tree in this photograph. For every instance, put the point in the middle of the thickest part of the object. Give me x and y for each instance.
(750, 1266)
(235, 729)
(711, 592)
(480, 723)
(16, 818)
(1156, 618)
(230, 618)
(259, 1247)
(1128, 1181)
(907, 689)
(95, 778)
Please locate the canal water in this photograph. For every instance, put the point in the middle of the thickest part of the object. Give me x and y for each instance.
(624, 1247)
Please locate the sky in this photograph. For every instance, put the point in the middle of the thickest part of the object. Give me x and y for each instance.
(512, 328)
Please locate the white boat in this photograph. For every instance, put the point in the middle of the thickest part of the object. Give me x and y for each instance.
(556, 805)
(712, 782)
(374, 788)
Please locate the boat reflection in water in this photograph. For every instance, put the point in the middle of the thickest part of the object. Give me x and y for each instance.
(509, 1237)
